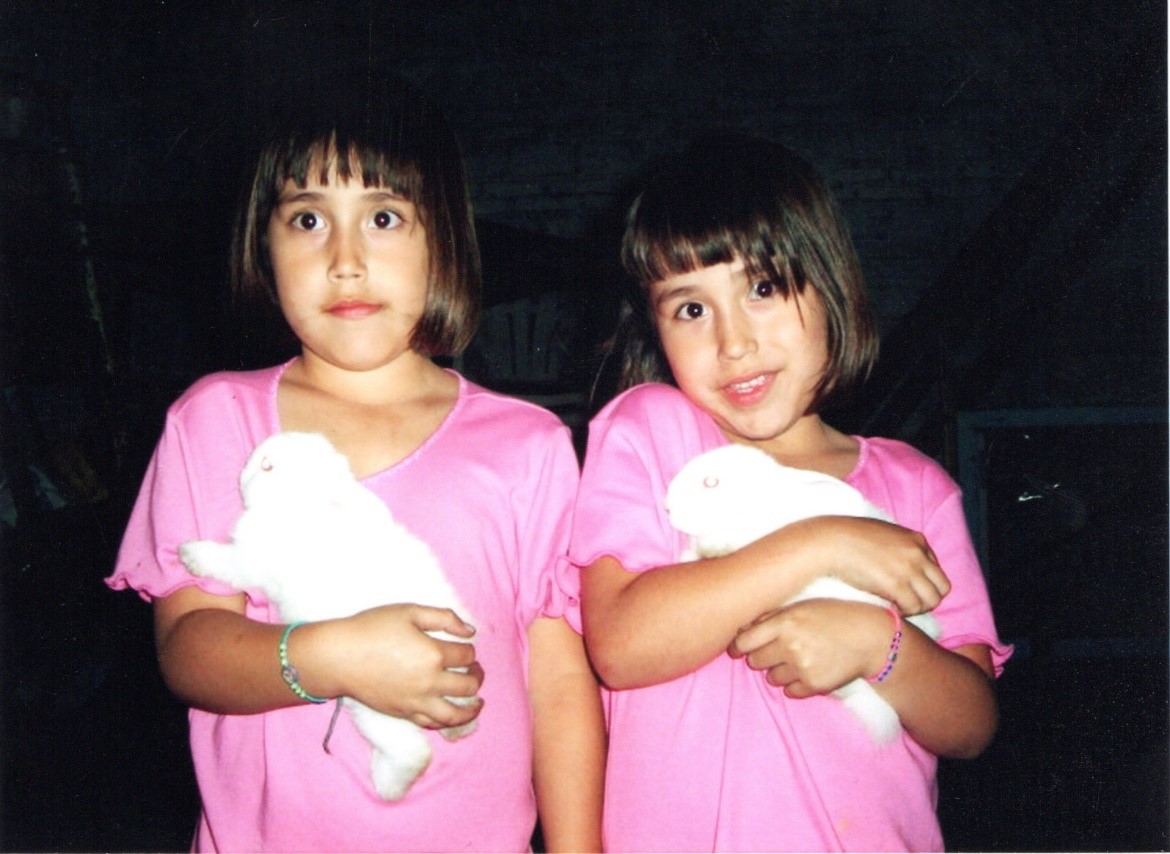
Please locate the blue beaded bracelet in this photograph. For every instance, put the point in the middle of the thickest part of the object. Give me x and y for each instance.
(289, 673)
(895, 645)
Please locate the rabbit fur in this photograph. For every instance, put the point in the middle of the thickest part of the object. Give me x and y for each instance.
(320, 546)
(733, 495)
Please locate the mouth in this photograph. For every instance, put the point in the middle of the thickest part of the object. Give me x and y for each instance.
(353, 309)
(747, 391)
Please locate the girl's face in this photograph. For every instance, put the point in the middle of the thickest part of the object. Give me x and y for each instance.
(745, 354)
(351, 268)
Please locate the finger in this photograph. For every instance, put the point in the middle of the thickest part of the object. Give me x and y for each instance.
(444, 713)
(937, 577)
(914, 596)
(782, 676)
(456, 654)
(441, 620)
(455, 684)
(749, 640)
(797, 690)
(929, 590)
(424, 721)
(440, 712)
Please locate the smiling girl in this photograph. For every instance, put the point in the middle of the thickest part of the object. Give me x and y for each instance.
(749, 317)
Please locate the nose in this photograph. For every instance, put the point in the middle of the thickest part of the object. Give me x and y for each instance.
(347, 258)
(737, 338)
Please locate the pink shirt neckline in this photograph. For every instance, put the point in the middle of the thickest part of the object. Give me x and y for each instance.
(273, 414)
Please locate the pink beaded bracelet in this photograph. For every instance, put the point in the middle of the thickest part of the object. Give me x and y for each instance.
(895, 645)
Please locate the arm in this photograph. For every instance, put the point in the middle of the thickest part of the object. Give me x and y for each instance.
(213, 657)
(650, 627)
(944, 698)
(569, 738)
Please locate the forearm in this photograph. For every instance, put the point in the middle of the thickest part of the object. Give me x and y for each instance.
(945, 699)
(220, 661)
(649, 627)
(568, 739)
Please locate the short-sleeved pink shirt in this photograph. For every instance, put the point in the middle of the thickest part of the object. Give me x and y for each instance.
(718, 760)
(491, 491)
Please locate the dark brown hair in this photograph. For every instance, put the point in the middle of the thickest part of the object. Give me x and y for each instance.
(386, 131)
(731, 196)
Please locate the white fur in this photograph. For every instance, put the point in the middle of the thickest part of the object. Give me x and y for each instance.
(321, 546)
(734, 495)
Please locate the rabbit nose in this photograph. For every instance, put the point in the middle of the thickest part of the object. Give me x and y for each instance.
(710, 481)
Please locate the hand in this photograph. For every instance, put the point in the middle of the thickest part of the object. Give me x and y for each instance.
(881, 558)
(816, 646)
(386, 659)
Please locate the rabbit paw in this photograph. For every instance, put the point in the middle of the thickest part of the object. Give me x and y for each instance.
(205, 558)
(394, 775)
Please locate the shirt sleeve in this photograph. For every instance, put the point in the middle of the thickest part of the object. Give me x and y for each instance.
(964, 615)
(544, 539)
(190, 491)
(636, 445)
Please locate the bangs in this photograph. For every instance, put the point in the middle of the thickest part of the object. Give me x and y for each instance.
(297, 159)
(663, 241)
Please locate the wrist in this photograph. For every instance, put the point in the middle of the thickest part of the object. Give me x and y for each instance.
(306, 651)
(289, 671)
(881, 670)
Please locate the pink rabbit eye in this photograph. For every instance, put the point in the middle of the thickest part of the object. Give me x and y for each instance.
(710, 481)
(265, 464)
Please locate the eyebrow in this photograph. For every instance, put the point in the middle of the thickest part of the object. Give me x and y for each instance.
(375, 194)
(678, 292)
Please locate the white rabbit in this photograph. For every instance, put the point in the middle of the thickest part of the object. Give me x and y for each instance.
(321, 546)
(731, 496)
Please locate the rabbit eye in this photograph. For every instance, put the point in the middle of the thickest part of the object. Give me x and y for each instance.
(265, 464)
(710, 481)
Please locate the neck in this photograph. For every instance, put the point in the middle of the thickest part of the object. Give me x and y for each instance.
(407, 378)
(812, 444)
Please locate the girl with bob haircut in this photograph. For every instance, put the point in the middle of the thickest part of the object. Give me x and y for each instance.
(423, 165)
(774, 212)
(748, 317)
(357, 226)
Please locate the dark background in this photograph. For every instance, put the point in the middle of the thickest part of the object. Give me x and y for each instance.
(1003, 165)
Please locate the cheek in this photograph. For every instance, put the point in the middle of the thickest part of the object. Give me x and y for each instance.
(286, 268)
(682, 351)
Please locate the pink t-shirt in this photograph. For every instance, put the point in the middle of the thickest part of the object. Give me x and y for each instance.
(491, 491)
(719, 760)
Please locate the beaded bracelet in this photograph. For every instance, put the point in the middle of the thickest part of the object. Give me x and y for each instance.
(895, 645)
(289, 673)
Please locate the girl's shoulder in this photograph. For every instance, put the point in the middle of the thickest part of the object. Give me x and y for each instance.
(657, 423)
(486, 410)
(229, 391)
(648, 400)
(902, 472)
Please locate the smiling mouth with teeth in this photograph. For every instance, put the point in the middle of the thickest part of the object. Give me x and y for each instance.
(749, 385)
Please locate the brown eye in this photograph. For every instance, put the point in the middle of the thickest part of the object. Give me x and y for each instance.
(307, 220)
(764, 289)
(386, 219)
